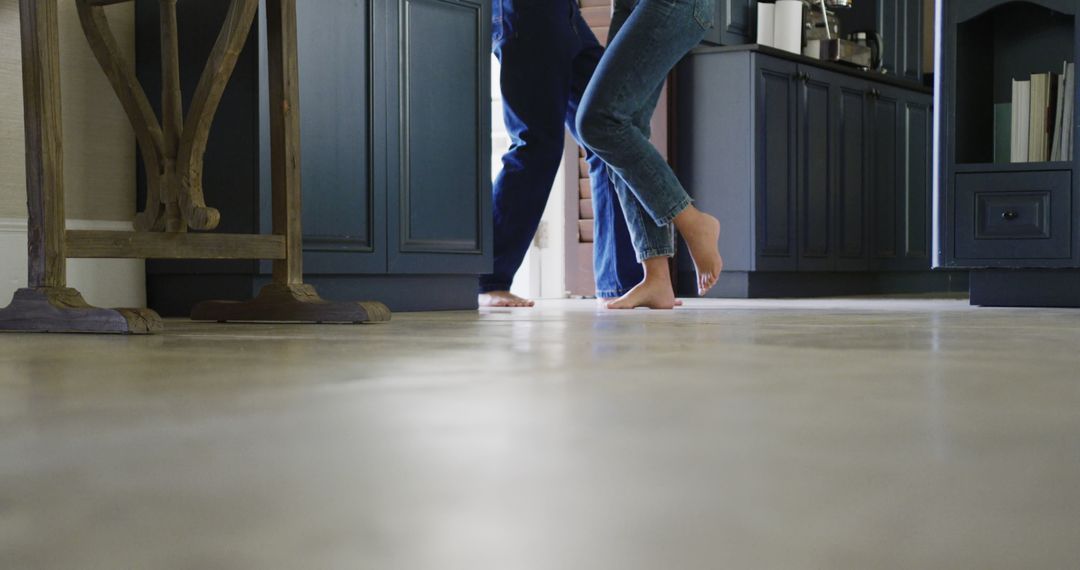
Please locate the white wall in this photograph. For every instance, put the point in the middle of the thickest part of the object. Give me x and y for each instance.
(99, 158)
(103, 282)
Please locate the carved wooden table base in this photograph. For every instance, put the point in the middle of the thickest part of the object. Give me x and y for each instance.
(172, 150)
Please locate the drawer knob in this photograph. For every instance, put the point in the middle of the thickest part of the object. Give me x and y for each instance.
(1010, 215)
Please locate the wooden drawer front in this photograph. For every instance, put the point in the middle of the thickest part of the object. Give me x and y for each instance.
(1012, 215)
(1020, 215)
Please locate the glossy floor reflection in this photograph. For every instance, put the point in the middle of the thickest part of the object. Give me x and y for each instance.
(840, 434)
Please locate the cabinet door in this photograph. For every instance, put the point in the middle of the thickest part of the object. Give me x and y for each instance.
(915, 182)
(901, 147)
(439, 179)
(342, 129)
(816, 169)
(776, 121)
(884, 166)
(852, 247)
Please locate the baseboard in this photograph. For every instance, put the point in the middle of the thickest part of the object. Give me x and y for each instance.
(402, 293)
(175, 295)
(759, 285)
(103, 282)
(1026, 288)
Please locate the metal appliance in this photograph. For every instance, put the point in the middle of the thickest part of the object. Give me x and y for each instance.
(825, 40)
(873, 40)
(820, 21)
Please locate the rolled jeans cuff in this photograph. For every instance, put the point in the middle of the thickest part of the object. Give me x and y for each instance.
(656, 252)
(674, 212)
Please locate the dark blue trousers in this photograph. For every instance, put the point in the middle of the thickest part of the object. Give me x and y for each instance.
(548, 55)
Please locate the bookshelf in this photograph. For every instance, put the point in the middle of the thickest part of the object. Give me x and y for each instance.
(1010, 41)
(996, 214)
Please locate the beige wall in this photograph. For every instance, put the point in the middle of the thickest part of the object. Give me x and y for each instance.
(99, 159)
(99, 151)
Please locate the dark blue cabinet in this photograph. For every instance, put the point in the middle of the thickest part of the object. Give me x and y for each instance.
(1013, 224)
(817, 170)
(1023, 38)
(395, 135)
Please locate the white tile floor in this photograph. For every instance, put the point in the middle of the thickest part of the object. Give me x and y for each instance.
(839, 434)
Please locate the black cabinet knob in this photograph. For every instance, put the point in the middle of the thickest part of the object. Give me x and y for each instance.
(1010, 215)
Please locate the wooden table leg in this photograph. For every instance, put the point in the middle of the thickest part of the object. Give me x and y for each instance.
(287, 298)
(48, 305)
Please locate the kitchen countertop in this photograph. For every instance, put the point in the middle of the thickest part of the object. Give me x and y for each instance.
(831, 66)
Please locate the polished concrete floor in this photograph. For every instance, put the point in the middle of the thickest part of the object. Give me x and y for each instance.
(840, 434)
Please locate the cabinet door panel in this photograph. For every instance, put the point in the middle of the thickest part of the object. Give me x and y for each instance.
(884, 176)
(915, 184)
(344, 196)
(815, 139)
(851, 174)
(440, 190)
(776, 127)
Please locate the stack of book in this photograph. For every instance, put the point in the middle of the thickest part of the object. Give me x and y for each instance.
(1043, 111)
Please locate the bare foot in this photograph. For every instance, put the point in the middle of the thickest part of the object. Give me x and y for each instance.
(502, 299)
(648, 294)
(654, 292)
(702, 234)
(605, 301)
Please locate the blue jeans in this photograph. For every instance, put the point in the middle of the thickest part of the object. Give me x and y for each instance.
(648, 38)
(548, 56)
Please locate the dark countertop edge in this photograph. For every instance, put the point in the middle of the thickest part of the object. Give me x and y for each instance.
(836, 67)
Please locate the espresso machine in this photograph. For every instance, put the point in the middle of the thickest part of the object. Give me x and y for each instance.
(826, 41)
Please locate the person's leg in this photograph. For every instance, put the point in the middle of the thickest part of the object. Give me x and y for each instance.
(615, 266)
(649, 43)
(643, 120)
(535, 84)
(652, 289)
